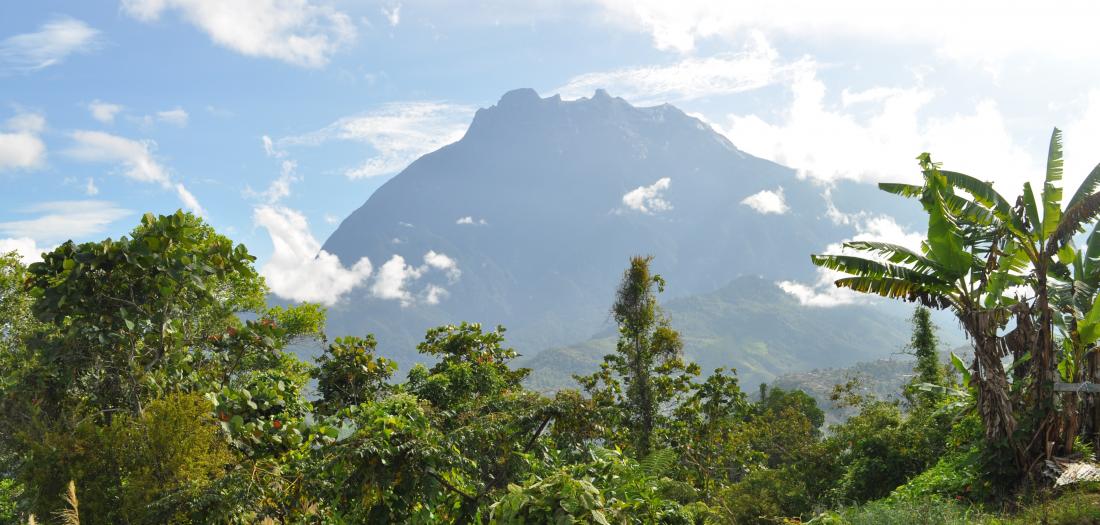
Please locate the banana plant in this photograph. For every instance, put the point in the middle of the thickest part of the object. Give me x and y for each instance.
(1006, 246)
(966, 264)
(1046, 241)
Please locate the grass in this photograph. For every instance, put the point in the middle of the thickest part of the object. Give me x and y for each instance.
(1077, 507)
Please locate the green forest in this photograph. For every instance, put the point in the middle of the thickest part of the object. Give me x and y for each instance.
(145, 380)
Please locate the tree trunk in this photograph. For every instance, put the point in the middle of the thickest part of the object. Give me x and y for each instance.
(994, 405)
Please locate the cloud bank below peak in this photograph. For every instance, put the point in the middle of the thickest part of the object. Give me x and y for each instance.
(300, 270)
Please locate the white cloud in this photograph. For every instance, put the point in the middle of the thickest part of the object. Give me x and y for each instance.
(767, 201)
(985, 33)
(649, 199)
(755, 67)
(299, 269)
(395, 275)
(90, 188)
(189, 201)
(103, 111)
(391, 280)
(26, 122)
(26, 247)
(298, 32)
(399, 133)
(136, 156)
(1080, 139)
(21, 148)
(433, 294)
(440, 261)
(269, 148)
(62, 220)
(175, 117)
(136, 159)
(392, 14)
(822, 292)
(875, 135)
(279, 188)
(332, 219)
(469, 219)
(51, 44)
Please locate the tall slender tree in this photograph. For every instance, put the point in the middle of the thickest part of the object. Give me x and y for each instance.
(925, 347)
(647, 358)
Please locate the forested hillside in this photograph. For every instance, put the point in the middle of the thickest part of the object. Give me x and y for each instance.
(750, 325)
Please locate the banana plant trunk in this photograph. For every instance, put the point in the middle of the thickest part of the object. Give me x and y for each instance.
(994, 405)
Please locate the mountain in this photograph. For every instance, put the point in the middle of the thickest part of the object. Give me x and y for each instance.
(542, 202)
(749, 325)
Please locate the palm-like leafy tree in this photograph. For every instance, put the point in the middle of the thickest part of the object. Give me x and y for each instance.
(952, 270)
(978, 248)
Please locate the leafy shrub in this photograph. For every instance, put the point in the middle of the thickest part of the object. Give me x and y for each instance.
(765, 496)
(610, 488)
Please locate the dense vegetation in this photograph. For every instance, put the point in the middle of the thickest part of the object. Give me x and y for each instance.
(145, 380)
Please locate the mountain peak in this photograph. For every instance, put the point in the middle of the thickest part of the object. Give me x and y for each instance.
(519, 97)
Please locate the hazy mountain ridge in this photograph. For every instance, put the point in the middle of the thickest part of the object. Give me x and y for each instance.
(749, 325)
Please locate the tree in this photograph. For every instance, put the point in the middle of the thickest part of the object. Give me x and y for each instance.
(133, 340)
(924, 345)
(479, 405)
(709, 433)
(961, 266)
(349, 373)
(648, 359)
(978, 245)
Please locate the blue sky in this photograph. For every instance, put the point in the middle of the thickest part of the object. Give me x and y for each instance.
(275, 119)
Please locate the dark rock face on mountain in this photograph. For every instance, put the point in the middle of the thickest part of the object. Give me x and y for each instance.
(530, 204)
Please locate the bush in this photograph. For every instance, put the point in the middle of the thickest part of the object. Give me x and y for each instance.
(955, 475)
(765, 496)
(127, 472)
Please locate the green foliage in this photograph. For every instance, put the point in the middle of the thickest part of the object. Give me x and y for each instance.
(878, 451)
(1073, 508)
(924, 345)
(125, 468)
(173, 447)
(709, 430)
(263, 413)
(349, 373)
(777, 400)
(960, 472)
(558, 498)
(125, 315)
(16, 319)
(647, 372)
(766, 496)
(10, 491)
(608, 489)
(395, 468)
(924, 511)
(153, 378)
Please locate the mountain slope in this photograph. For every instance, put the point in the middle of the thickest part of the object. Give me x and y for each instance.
(540, 184)
(750, 325)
